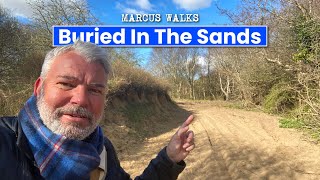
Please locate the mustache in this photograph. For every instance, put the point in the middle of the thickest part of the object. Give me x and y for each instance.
(75, 111)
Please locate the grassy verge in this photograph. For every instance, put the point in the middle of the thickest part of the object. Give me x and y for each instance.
(310, 130)
(291, 123)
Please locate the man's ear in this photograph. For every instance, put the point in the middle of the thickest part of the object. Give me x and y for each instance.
(37, 86)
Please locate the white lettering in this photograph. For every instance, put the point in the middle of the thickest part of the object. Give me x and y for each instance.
(159, 31)
(169, 37)
(196, 18)
(146, 37)
(64, 36)
(169, 17)
(186, 38)
(121, 35)
(133, 36)
(256, 38)
(201, 33)
(105, 38)
(96, 35)
(219, 38)
(245, 35)
(226, 38)
(124, 18)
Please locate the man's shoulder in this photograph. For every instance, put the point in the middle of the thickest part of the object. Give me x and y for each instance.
(8, 125)
(7, 132)
(106, 141)
(9, 122)
(111, 152)
(108, 144)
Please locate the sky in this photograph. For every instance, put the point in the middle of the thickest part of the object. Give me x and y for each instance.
(109, 11)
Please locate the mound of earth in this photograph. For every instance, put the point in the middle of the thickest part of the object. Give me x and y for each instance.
(133, 116)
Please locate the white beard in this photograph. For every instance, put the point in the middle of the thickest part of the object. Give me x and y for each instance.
(51, 119)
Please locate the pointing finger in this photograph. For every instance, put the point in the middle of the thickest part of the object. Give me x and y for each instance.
(188, 121)
(182, 130)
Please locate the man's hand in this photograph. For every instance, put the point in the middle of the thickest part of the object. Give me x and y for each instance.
(182, 142)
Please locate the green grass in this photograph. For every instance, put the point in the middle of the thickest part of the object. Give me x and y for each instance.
(316, 135)
(137, 112)
(243, 105)
(291, 123)
(138, 116)
(311, 131)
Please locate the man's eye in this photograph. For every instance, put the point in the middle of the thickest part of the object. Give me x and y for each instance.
(96, 91)
(66, 85)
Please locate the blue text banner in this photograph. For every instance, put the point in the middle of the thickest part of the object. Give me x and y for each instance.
(163, 36)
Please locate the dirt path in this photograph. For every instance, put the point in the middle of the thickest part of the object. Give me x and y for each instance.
(238, 144)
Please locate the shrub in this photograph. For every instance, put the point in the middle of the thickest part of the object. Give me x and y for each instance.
(125, 74)
(281, 99)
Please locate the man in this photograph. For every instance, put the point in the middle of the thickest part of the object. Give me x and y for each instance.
(56, 134)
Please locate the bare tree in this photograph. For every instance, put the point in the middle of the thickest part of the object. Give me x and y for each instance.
(47, 13)
(189, 58)
(180, 66)
(166, 63)
(13, 45)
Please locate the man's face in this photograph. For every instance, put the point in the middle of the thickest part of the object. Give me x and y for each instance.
(71, 98)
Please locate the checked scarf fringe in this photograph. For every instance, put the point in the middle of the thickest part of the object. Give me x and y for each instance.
(56, 156)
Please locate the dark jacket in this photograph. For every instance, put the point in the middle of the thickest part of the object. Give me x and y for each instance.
(17, 161)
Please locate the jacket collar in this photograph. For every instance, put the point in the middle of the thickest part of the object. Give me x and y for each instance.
(22, 141)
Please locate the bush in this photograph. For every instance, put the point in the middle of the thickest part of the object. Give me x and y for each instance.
(125, 74)
(291, 123)
(11, 101)
(281, 99)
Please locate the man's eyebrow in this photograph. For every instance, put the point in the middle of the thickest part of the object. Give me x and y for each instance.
(67, 77)
(98, 85)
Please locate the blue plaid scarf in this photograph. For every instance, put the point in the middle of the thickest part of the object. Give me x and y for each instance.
(56, 156)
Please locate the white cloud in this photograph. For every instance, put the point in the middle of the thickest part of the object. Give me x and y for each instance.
(193, 4)
(131, 11)
(144, 4)
(134, 7)
(128, 10)
(18, 8)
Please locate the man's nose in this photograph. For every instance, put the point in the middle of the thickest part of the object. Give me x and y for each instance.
(80, 96)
